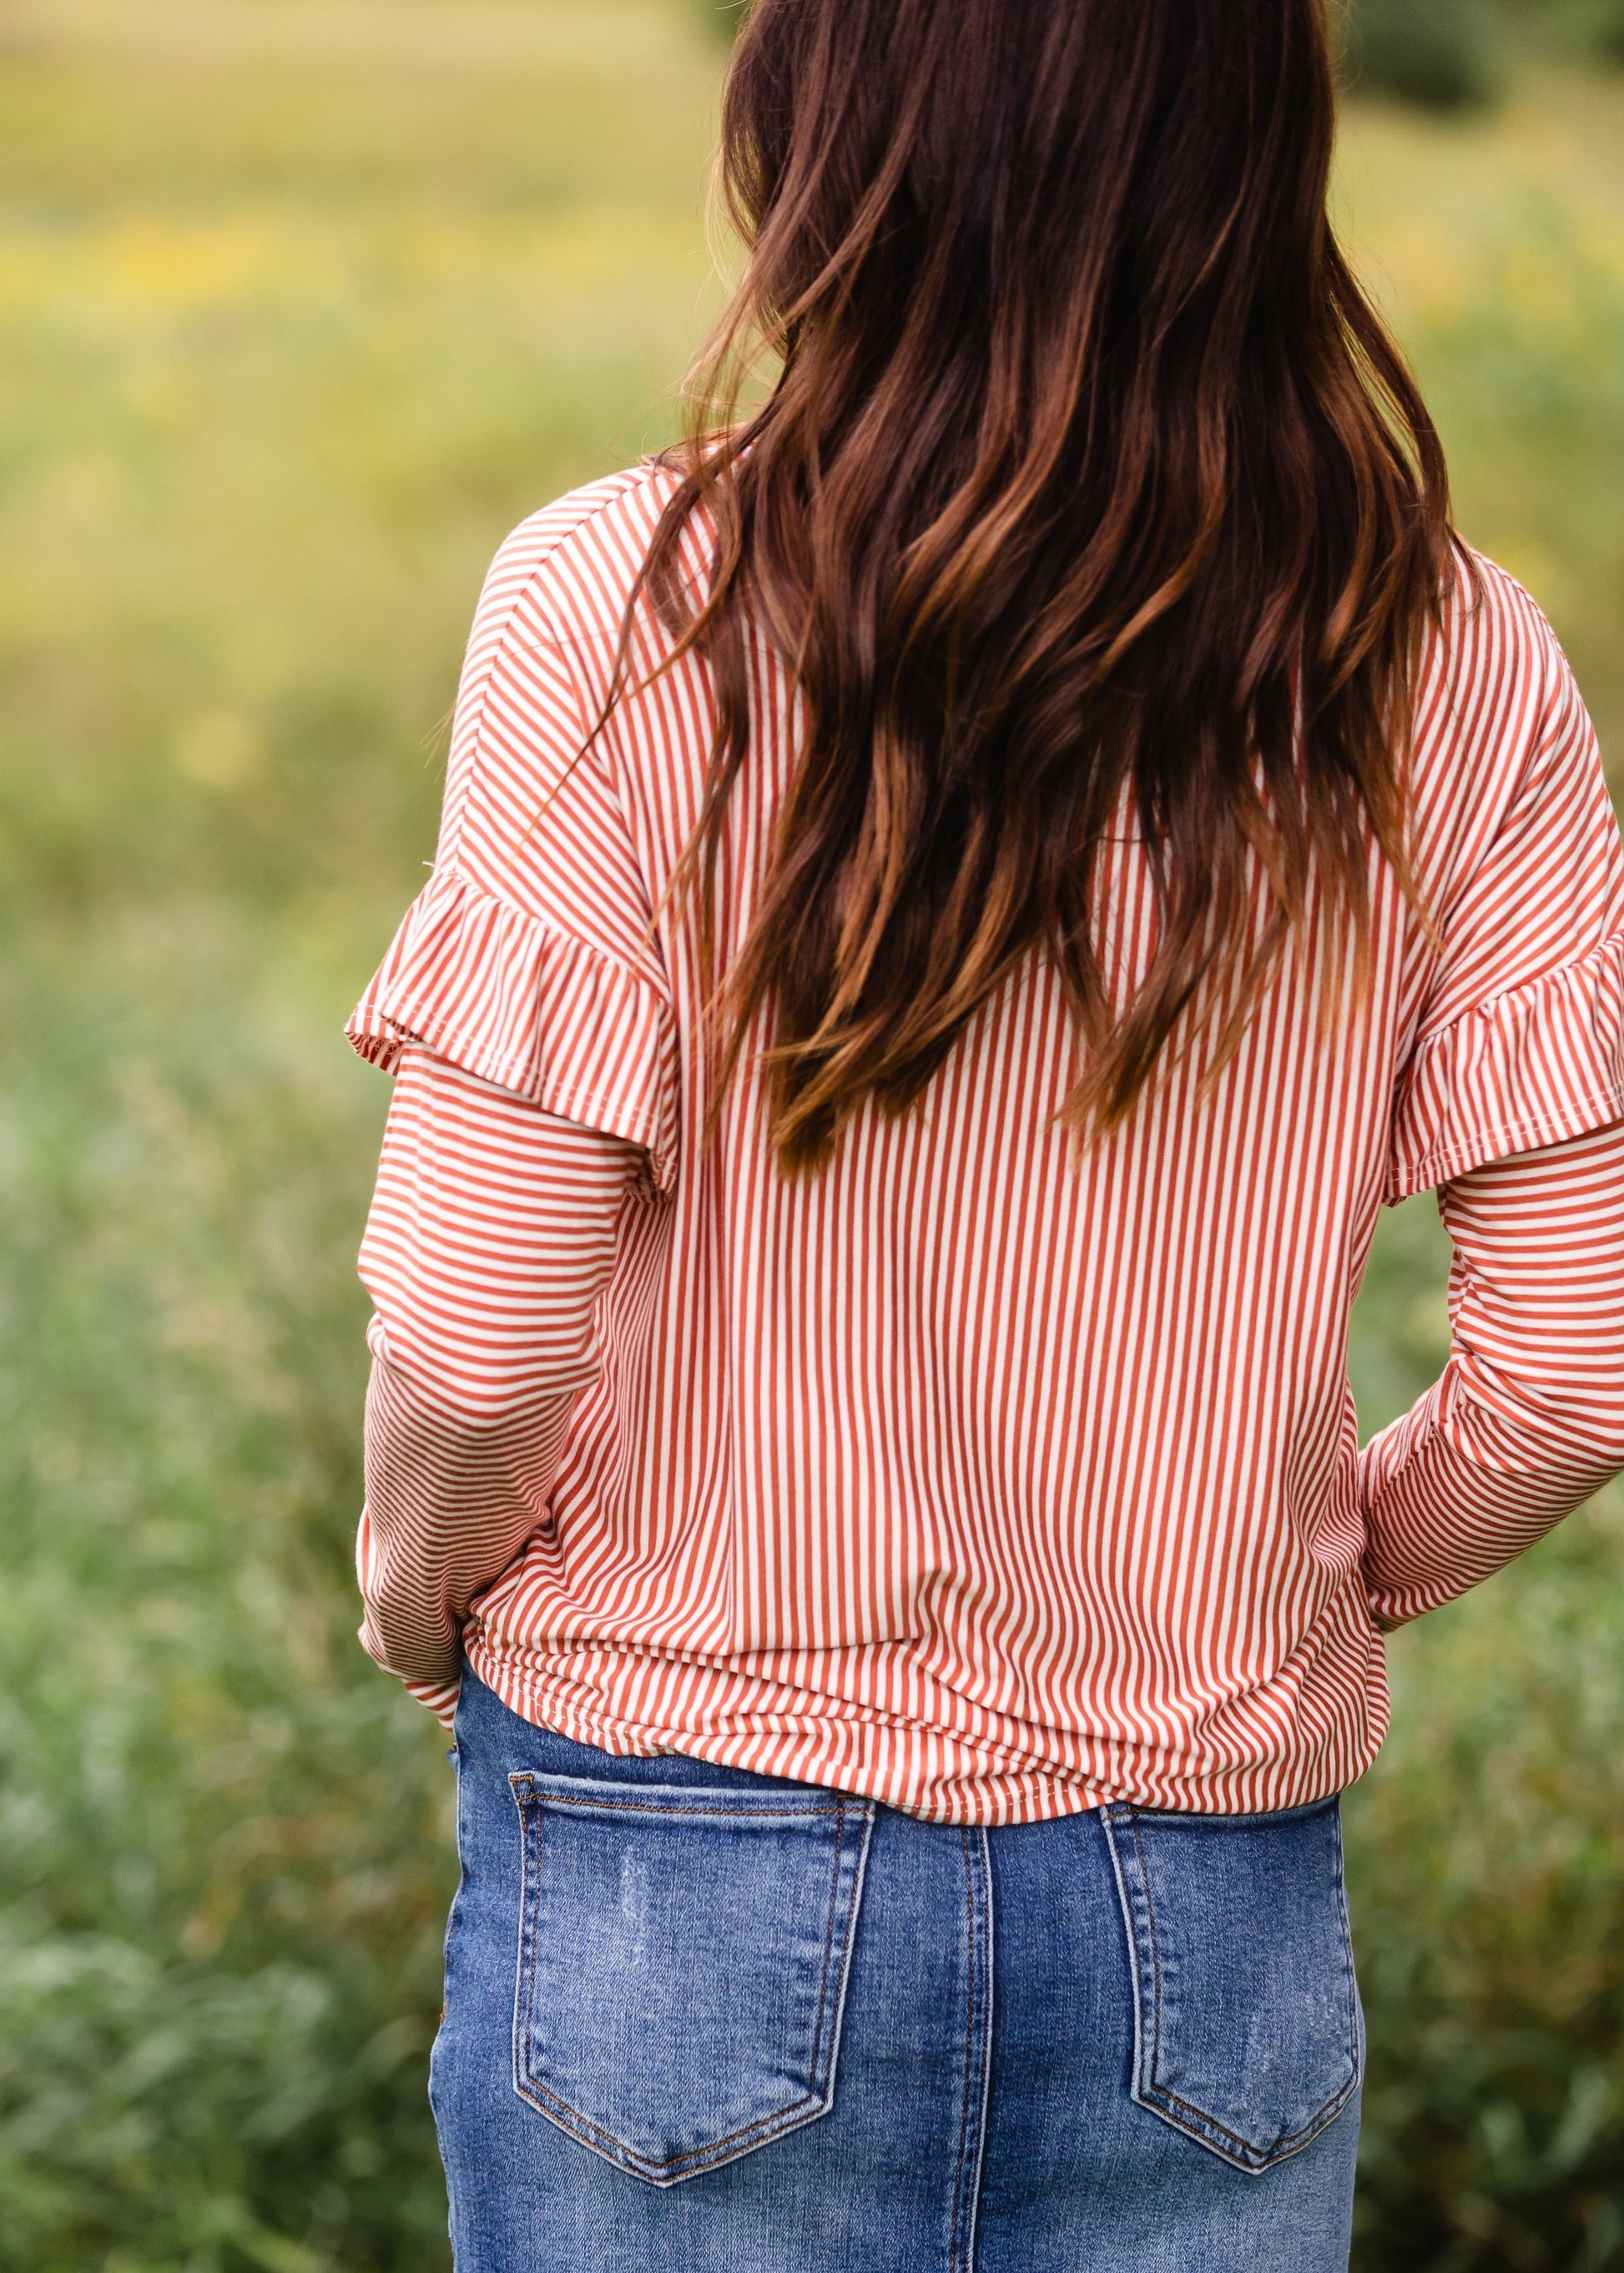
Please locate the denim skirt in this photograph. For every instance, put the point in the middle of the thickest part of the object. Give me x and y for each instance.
(703, 2021)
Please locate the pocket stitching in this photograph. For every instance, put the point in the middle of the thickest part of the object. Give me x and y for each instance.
(1148, 2092)
(524, 1791)
(701, 2158)
(570, 2120)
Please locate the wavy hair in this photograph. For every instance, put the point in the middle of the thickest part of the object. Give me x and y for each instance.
(1083, 481)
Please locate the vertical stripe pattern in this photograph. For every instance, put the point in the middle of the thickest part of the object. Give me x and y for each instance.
(985, 1477)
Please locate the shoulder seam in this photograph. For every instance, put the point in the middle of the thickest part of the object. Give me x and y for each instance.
(627, 480)
(631, 478)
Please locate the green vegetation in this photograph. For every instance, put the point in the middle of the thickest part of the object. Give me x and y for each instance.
(1449, 55)
(303, 303)
(1438, 53)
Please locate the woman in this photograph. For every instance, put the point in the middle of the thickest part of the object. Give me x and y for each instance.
(962, 891)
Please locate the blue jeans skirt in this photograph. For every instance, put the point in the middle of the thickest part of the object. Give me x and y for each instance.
(703, 2021)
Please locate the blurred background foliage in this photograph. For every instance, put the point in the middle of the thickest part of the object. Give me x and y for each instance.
(1449, 55)
(303, 304)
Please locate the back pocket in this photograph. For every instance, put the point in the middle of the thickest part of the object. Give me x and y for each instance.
(1247, 2035)
(683, 1958)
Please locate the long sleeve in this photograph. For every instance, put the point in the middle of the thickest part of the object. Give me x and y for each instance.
(491, 1234)
(1527, 1421)
(524, 1008)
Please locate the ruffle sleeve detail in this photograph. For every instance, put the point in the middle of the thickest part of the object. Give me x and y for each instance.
(1535, 1065)
(514, 1000)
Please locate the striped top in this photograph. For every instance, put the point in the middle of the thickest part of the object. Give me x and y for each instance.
(988, 1479)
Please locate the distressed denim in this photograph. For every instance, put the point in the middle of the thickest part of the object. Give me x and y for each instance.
(703, 2021)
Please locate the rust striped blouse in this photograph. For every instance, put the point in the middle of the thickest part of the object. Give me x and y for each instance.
(985, 1480)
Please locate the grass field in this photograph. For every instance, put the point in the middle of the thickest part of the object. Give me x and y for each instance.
(302, 306)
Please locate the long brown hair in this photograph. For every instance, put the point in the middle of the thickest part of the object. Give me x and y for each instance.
(1084, 473)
